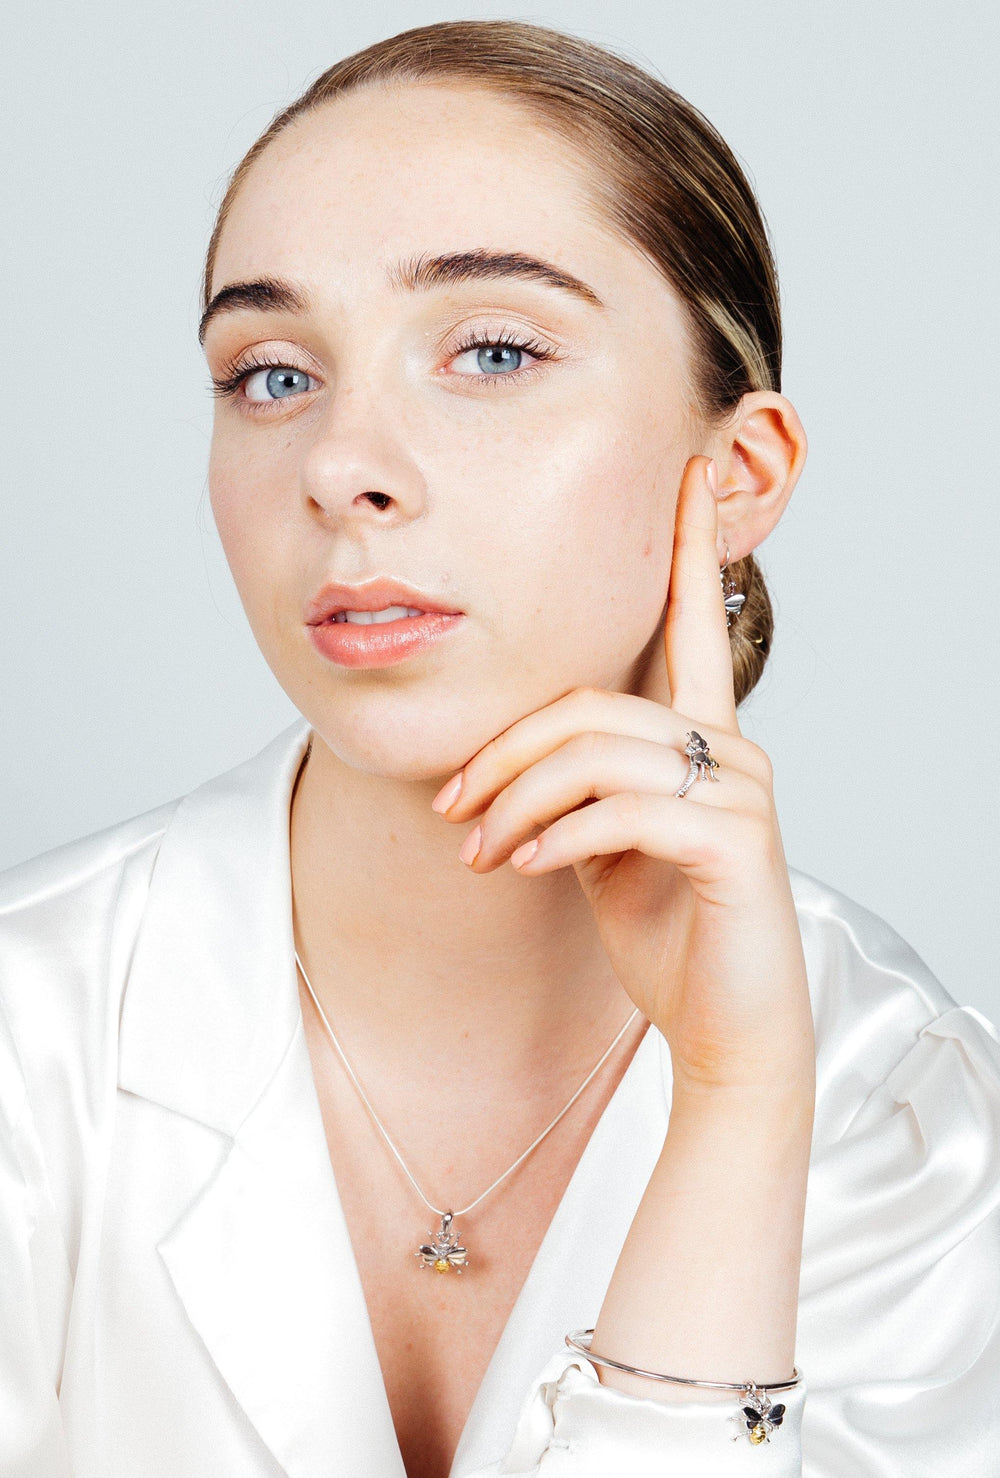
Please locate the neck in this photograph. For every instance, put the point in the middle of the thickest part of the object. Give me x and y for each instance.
(417, 959)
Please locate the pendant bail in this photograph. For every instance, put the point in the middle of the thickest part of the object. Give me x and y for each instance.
(444, 1252)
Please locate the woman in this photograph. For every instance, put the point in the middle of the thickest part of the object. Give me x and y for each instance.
(330, 1147)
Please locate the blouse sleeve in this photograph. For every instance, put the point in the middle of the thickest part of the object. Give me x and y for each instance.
(899, 1304)
(33, 1267)
(573, 1426)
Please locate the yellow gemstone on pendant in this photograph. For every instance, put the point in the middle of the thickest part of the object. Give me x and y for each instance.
(441, 1266)
(758, 1434)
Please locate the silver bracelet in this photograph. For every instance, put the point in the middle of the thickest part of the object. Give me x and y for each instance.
(759, 1416)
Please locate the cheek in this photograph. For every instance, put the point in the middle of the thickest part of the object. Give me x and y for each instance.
(227, 489)
(580, 535)
(247, 508)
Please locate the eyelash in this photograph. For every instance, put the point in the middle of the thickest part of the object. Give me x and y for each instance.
(227, 385)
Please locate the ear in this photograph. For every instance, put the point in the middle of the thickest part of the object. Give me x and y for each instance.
(759, 456)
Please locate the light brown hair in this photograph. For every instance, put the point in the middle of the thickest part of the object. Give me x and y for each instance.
(661, 175)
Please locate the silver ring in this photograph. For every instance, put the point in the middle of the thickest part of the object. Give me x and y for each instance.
(702, 763)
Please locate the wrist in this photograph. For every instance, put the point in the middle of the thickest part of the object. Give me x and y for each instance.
(786, 1082)
(779, 1112)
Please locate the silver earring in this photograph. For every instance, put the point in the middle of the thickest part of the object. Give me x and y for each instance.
(733, 598)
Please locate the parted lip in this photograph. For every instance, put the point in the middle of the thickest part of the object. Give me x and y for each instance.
(374, 595)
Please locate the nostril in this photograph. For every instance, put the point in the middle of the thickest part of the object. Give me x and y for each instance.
(382, 499)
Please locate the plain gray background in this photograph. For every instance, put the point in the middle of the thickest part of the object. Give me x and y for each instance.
(870, 133)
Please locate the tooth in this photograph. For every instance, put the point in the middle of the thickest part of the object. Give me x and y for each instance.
(374, 618)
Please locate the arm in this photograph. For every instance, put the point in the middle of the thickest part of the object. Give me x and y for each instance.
(706, 1286)
(707, 1282)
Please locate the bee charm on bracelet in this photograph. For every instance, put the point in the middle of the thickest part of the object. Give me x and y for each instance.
(759, 1416)
(443, 1253)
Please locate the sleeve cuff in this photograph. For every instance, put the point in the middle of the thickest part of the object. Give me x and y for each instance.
(573, 1425)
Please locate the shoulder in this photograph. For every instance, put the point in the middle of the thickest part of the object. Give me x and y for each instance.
(880, 1012)
(907, 1088)
(847, 943)
(67, 917)
(65, 905)
(74, 892)
(76, 865)
(71, 919)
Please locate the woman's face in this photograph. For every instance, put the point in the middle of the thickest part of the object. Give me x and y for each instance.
(534, 494)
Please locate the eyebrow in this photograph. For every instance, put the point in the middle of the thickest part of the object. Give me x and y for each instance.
(414, 274)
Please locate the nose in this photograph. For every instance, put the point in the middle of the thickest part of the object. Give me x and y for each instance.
(357, 470)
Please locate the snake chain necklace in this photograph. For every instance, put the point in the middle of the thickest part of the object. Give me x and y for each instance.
(444, 1251)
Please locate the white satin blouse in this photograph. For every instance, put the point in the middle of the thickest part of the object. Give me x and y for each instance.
(178, 1292)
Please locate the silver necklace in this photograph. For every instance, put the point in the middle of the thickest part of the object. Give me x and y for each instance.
(444, 1252)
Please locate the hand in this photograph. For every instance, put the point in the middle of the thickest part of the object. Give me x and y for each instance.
(691, 895)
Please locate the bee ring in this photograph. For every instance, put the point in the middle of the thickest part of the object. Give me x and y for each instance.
(702, 763)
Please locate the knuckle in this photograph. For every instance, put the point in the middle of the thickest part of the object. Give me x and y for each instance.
(492, 757)
(590, 744)
(760, 807)
(480, 777)
(499, 743)
(630, 806)
(759, 763)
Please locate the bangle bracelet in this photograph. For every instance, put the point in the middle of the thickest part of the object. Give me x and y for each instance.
(760, 1417)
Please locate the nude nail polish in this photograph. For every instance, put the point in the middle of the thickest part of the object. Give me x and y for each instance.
(448, 794)
(471, 846)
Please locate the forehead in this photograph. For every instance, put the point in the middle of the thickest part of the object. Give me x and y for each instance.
(383, 172)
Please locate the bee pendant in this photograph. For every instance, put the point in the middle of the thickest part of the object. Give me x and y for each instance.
(443, 1252)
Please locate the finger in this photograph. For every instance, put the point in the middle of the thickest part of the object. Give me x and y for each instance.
(582, 710)
(695, 636)
(590, 767)
(702, 841)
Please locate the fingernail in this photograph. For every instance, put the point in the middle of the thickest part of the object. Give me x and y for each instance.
(448, 794)
(712, 473)
(471, 845)
(524, 854)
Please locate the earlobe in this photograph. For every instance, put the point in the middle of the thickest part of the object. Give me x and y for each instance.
(759, 464)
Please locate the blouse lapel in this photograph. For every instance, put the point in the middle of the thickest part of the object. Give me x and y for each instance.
(260, 1255)
(257, 1246)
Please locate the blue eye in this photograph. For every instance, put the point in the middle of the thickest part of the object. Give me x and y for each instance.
(493, 357)
(499, 356)
(279, 381)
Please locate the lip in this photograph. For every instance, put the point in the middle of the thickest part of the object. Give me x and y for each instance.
(380, 645)
(373, 595)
